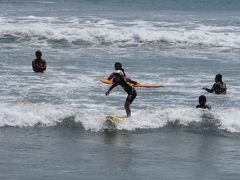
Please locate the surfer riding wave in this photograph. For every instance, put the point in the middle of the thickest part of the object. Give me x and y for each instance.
(119, 78)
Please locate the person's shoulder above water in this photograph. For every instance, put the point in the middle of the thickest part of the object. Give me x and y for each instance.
(203, 103)
(204, 107)
(219, 87)
(39, 64)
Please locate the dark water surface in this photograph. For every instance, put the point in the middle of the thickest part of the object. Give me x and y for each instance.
(71, 153)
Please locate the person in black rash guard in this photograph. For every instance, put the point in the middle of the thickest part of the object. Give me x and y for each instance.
(203, 103)
(118, 79)
(118, 66)
(219, 87)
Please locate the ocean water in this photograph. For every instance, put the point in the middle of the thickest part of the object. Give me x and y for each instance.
(52, 125)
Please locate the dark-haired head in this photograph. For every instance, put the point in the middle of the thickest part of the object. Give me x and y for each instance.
(218, 78)
(38, 54)
(202, 100)
(118, 66)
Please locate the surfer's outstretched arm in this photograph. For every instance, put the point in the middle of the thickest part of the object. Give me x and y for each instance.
(210, 90)
(111, 88)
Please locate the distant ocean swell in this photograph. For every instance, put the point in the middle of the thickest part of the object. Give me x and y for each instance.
(101, 32)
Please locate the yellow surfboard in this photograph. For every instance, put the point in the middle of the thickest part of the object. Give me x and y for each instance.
(114, 119)
(138, 85)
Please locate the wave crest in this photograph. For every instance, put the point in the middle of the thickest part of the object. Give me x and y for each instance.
(102, 32)
(45, 115)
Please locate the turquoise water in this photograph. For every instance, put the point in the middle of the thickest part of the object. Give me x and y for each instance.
(61, 134)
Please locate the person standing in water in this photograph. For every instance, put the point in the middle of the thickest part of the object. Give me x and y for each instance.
(119, 78)
(39, 64)
(219, 87)
(203, 103)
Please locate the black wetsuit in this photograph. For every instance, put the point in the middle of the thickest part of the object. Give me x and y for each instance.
(130, 90)
(218, 88)
(204, 106)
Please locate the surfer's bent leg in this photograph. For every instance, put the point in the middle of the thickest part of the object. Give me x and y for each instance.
(129, 100)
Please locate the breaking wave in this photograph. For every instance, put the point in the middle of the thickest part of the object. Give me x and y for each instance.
(45, 115)
(91, 31)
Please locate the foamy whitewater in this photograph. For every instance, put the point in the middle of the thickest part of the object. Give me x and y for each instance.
(181, 45)
(182, 52)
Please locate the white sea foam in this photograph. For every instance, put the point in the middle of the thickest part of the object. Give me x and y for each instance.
(75, 89)
(148, 119)
(24, 114)
(89, 31)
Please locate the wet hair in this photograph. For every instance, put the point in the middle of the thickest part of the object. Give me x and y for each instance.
(218, 77)
(202, 99)
(38, 54)
(118, 66)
